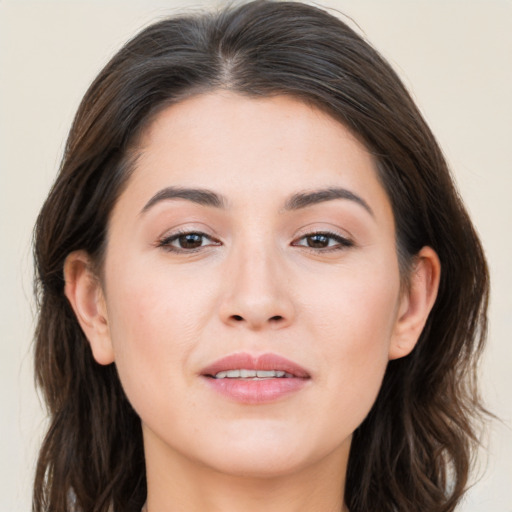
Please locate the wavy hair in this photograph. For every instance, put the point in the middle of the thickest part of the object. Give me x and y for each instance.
(414, 449)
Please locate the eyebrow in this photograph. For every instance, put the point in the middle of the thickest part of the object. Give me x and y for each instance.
(305, 199)
(203, 197)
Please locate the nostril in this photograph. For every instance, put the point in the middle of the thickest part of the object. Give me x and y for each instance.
(272, 319)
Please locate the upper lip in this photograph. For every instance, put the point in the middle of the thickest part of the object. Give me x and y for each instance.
(246, 361)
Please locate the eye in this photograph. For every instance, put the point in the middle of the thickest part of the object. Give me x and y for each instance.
(324, 241)
(187, 241)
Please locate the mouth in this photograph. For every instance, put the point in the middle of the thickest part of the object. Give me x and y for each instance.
(252, 374)
(253, 380)
(246, 366)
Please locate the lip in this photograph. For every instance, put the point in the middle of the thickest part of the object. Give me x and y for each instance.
(248, 391)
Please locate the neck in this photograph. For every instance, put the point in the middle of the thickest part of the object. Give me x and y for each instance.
(177, 483)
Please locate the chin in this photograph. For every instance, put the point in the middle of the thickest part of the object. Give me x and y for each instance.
(252, 464)
(264, 453)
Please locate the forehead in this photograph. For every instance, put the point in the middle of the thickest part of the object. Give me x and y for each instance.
(243, 147)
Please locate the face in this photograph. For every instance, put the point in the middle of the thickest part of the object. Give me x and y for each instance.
(253, 235)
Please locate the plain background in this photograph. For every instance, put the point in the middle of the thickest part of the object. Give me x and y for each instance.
(455, 57)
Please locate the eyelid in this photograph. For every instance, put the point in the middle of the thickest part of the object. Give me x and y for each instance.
(343, 241)
(183, 228)
(165, 241)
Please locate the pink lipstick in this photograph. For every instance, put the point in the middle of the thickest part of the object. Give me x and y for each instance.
(255, 379)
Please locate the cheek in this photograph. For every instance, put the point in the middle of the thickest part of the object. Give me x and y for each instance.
(354, 329)
(359, 305)
(152, 305)
(155, 320)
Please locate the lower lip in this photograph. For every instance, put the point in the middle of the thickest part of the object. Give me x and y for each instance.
(254, 392)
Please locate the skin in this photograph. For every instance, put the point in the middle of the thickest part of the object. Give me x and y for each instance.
(253, 284)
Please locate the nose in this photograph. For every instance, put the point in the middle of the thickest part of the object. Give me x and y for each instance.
(257, 293)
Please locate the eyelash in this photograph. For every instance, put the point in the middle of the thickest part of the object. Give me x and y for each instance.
(166, 242)
(341, 242)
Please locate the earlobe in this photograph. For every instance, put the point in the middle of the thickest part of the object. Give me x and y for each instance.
(84, 292)
(416, 303)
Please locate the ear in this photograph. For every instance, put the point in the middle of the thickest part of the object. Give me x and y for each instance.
(416, 303)
(84, 292)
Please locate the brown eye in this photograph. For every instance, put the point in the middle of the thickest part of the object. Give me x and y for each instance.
(190, 241)
(323, 241)
(318, 241)
(187, 242)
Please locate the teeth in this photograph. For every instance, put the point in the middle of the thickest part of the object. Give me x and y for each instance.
(267, 374)
(252, 374)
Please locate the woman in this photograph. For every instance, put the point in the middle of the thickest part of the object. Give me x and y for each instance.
(258, 286)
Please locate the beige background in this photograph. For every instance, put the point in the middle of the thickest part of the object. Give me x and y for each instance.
(456, 57)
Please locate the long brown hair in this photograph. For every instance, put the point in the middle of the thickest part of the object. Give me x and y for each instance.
(414, 449)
